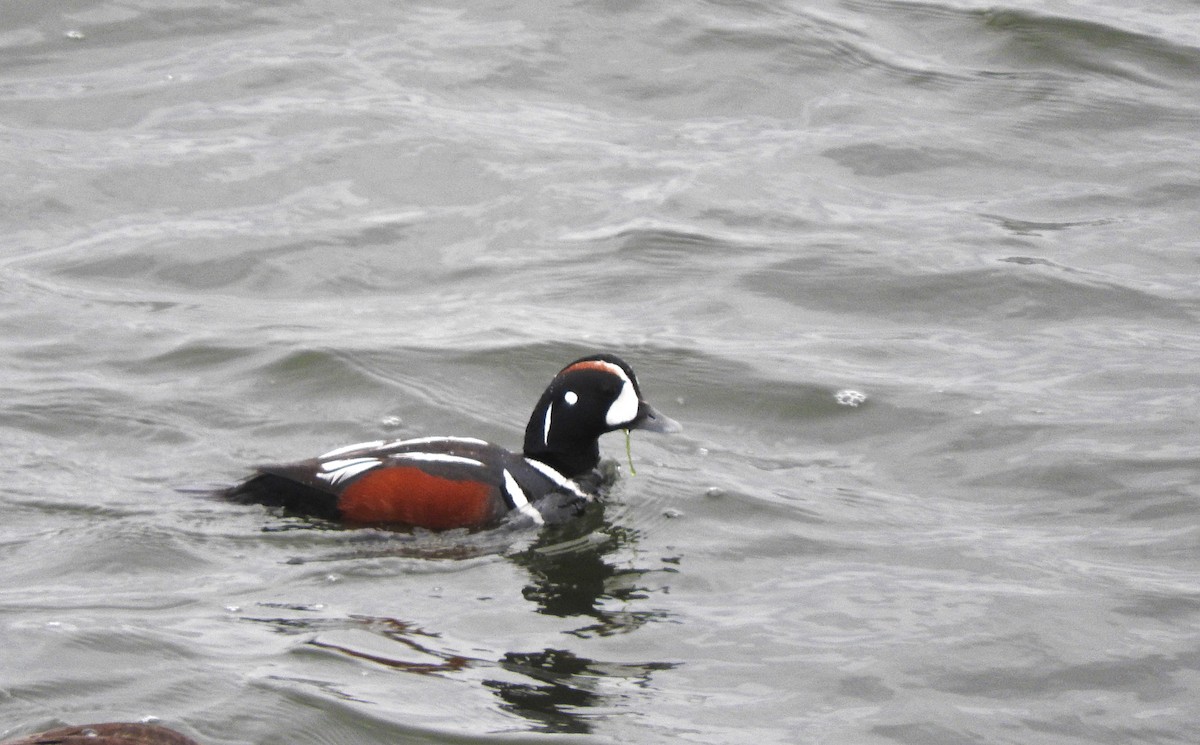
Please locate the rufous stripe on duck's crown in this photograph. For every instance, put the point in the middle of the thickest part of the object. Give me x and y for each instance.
(600, 365)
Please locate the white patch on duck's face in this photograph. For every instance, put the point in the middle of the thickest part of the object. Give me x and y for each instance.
(570, 397)
(625, 409)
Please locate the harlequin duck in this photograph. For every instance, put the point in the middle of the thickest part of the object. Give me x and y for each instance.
(462, 482)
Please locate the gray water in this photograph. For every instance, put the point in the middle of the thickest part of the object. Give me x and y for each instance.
(242, 232)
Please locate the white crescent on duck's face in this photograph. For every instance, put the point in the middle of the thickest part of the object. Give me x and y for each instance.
(625, 409)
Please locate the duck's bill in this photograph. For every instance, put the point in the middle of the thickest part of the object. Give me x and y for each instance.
(651, 420)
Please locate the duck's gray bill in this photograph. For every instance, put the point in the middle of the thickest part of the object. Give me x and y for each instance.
(651, 420)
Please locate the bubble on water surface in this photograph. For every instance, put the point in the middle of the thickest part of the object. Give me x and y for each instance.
(848, 397)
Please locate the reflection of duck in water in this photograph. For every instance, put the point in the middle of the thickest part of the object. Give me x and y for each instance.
(555, 688)
(575, 577)
(551, 687)
(109, 733)
(461, 482)
(579, 571)
(565, 686)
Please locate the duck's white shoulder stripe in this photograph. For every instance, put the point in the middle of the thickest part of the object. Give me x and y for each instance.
(335, 471)
(559, 480)
(519, 500)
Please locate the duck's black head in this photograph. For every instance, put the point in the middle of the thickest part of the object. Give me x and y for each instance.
(587, 398)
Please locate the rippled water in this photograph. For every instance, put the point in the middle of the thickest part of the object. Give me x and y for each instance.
(246, 232)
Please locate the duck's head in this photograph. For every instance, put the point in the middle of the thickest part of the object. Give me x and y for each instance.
(587, 398)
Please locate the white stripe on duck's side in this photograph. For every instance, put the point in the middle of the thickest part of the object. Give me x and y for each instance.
(437, 458)
(430, 440)
(335, 471)
(389, 444)
(519, 500)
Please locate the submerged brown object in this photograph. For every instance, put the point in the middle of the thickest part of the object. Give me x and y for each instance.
(108, 733)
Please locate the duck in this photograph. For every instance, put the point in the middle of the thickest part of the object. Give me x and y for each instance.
(448, 482)
(107, 733)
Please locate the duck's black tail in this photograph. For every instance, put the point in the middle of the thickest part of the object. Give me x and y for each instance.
(279, 490)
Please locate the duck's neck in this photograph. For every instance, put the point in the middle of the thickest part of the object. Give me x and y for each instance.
(567, 452)
(571, 462)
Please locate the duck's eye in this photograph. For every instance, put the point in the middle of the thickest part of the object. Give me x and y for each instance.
(570, 398)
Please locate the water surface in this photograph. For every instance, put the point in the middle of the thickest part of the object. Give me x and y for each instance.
(252, 232)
